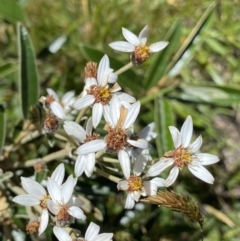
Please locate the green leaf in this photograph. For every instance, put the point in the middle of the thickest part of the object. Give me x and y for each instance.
(159, 65)
(10, 10)
(127, 79)
(2, 127)
(7, 69)
(211, 94)
(163, 118)
(28, 77)
(182, 55)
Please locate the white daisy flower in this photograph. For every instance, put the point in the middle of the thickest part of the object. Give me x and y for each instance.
(137, 45)
(119, 126)
(137, 186)
(84, 163)
(66, 101)
(185, 154)
(97, 92)
(147, 133)
(62, 204)
(53, 106)
(37, 195)
(119, 121)
(91, 234)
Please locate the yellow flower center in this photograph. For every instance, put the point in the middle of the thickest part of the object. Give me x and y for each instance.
(63, 214)
(116, 138)
(135, 183)
(140, 54)
(102, 94)
(181, 156)
(33, 227)
(43, 202)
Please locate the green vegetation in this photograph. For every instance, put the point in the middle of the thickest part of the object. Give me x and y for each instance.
(198, 74)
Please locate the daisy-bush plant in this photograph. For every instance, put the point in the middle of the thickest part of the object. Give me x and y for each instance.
(97, 134)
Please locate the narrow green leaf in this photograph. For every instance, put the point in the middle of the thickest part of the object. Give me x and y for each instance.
(28, 77)
(10, 10)
(159, 65)
(211, 94)
(7, 68)
(216, 46)
(163, 118)
(2, 127)
(127, 79)
(201, 24)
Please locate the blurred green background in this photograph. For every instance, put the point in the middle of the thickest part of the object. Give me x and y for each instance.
(197, 74)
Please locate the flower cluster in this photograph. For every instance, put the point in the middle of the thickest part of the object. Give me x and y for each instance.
(113, 113)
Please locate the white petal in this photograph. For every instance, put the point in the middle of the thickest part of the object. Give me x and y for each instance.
(104, 237)
(89, 127)
(26, 200)
(156, 47)
(83, 102)
(122, 46)
(52, 93)
(207, 159)
(140, 143)
(54, 190)
(33, 188)
(172, 177)
(57, 110)
(123, 185)
(103, 66)
(125, 97)
(112, 78)
(143, 35)
(201, 173)
(76, 212)
(186, 131)
(53, 207)
(58, 174)
(43, 221)
(176, 136)
(130, 37)
(97, 114)
(75, 131)
(92, 231)
(195, 146)
(67, 189)
(91, 147)
(139, 165)
(147, 132)
(61, 234)
(159, 166)
(135, 195)
(160, 182)
(152, 186)
(129, 202)
(67, 98)
(90, 164)
(89, 82)
(107, 114)
(114, 110)
(132, 114)
(80, 165)
(125, 163)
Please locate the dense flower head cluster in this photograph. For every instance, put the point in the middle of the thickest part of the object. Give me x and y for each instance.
(116, 113)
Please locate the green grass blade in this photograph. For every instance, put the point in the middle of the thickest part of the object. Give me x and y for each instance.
(2, 127)
(201, 24)
(163, 118)
(10, 10)
(28, 77)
